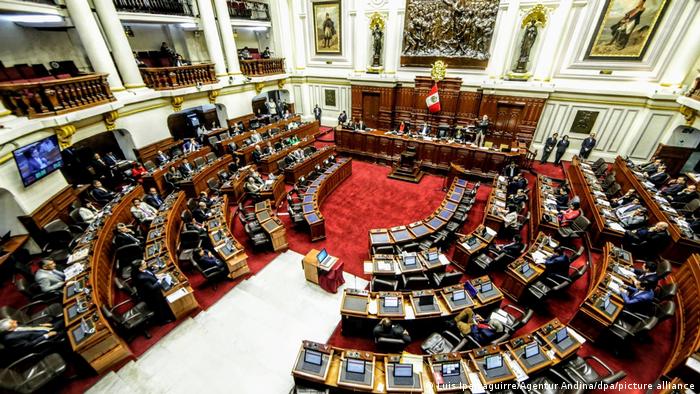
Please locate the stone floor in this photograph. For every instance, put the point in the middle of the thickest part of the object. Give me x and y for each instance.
(245, 343)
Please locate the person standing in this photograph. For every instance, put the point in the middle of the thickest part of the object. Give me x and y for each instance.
(317, 113)
(549, 147)
(587, 146)
(562, 146)
(483, 127)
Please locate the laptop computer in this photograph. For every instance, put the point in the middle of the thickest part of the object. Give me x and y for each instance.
(355, 369)
(324, 259)
(432, 255)
(451, 373)
(312, 361)
(531, 350)
(470, 289)
(403, 374)
(493, 362)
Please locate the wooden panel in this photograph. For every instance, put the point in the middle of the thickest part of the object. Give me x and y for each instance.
(57, 207)
(149, 151)
(687, 327)
(675, 157)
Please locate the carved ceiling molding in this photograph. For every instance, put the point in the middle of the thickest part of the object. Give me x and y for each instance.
(378, 3)
(110, 119)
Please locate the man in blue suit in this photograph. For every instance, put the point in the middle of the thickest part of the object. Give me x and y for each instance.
(638, 296)
(558, 263)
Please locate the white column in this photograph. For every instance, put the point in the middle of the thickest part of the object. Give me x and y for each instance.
(500, 55)
(211, 36)
(392, 38)
(300, 35)
(281, 29)
(91, 38)
(683, 58)
(552, 41)
(234, 68)
(123, 55)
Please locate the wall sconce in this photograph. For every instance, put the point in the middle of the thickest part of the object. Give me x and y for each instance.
(128, 31)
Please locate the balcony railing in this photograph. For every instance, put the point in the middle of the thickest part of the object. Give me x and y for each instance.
(163, 7)
(253, 10)
(53, 97)
(166, 78)
(262, 67)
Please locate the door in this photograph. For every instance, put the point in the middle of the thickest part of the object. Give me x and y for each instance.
(370, 109)
(508, 119)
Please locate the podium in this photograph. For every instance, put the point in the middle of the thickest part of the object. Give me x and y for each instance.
(328, 278)
(407, 169)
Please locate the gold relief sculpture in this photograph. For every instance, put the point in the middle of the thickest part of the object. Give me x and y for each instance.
(110, 119)
(177, 102)
(438, 71)
(64, 134)
(259, 87)
(689, 114)
(213, 94)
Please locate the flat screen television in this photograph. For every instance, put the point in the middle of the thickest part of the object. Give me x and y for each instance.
(38, 159)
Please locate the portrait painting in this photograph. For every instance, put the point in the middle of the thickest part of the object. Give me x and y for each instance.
(329, 97)
(584, 122)
(625, 29)
(327, 28)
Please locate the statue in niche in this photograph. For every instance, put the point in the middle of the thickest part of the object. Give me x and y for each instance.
(529, 38)
(377, 41)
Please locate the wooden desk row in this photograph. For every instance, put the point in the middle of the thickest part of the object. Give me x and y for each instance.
(239, 138)
(197, 182)
(395, 265)
(228, 248)
(542, 203)
(156, 178)
(528, 268)
(471, 245)
(380, 145)
(360, 310)
(683, 245)
(496, 204)
(325, 367)
(305, 130)
(272, 225)
(234, 188)
(422, 229)
(317, 192)
(268, 163)
(295, 171)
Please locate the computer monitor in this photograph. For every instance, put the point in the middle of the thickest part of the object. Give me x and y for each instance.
(486, 287)
(526, 269)
(432, 255)
(606, 302)
(532, 349)
(409, 259)
(459, 295)
(313, 357)
(561, 335)
(322, 255)
(355, 365)
(391, 302)
(425, 300)
(403, 370)
(450, 369)
(470, 289)
(472, 241)
(493, 362)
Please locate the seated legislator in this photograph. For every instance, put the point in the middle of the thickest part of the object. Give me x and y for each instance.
(298, 155)
(557, 263)
(518, 199)
(257, 154)
(627, 209)
(206, 260)
(660, 177)
(387, 329)
(204, 197)
(651, 168)
(654, 238)
(516, 183)
(100, 166)
(16, 336)
(629, 196)
(562, 198)
(251, 186)
(482, 330)
(255, 137)
(638, 276)
(149, 289)
(424, 129)
(636, 219)
(269, 149)
(48, 277)
(403, 128)
(565, 218)
(190, 145)
(100, 193)
(161, 158)
(125, 236)
(511, 170)
(190, 225)
(87, 212)
(153, 198)
(173, 175)
(639, 296)
(186, 168)
(511, 249)
(142, 212)
(360, 125)
(674, 187)
(686, 195)
(201, 214)
(510, 220)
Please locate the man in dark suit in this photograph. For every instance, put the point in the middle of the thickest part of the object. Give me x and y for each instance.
(34, 160)
(342, 118)
(511, 170)
(125, 236)
(513, 248)
(687, 195)
(654, 238)
(317, 113)
(360, 125)
(257, 154)
(549, 147)
(562, 146)
(190, 145)
(207, 260)
(173, 175)
(100, 166)
(186, 168)
(149, 289)
(111, 159)
(161, 158)
(191, 225)
(100, 194)
(660, 177)
(638, 296)
(587, 146)
(387, 329)
(153, 199)
(674, 187)
(201, 213)
(424, 130)
(557, 263)
(16, 336)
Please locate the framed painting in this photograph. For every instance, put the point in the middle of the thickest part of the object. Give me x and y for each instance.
(327, 28)
(329, 97)
(625, 29)
(583, 122)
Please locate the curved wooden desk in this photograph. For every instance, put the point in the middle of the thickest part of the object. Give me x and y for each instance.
(317, 192)
(197, 182)
(297, 170)
(156, 178)
(427, 370)
(309, 130)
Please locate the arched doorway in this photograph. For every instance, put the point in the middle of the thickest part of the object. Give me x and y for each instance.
(188, 122)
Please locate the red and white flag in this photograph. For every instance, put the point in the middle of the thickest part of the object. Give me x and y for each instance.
(433, 100)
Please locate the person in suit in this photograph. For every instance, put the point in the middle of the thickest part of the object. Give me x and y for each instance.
(654, 238)
(388, 329)
(566, 217)
(562, 199)
(424, 130)
(86, 211)
(201, 214)
(317, 113)
(142, 212)
(48, 277)
(16, 336)
(206, 260)
(234, 165)
(251, 186)
(627, 209)
(255, 137)
(587, 146)
(173, 175)
(511, 170)
(482, 130)
(518, 199)
(186, 168)
(100, 166)
(100, 193)
(298, 155)
(674, 187)
(342, 118)
(153, 198)
(126, 236)
(482, 330)
(110, 159)
(638, 296)
(289, 160)
(686, 195)
(629, 196)
(34, 160)
(286, 115)
(257, 178)
(651, 168)
(513, 248)
(161, 158)
(204, 197)
(149, 289)
(360, 125)
(562, 146)
(516, 183)
(257, 154)
(659, 178)
(549, 146)
(557, 263)
(189, 224)
(190, 145)
(637, 219)
(269, 149)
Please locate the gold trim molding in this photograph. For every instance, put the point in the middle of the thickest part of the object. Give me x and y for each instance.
(110, 119)
(176, 102)
(65, 135)
(259, 87)
(689, 114)
(213, 94)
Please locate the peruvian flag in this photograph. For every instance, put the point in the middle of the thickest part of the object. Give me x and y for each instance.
(433, 99)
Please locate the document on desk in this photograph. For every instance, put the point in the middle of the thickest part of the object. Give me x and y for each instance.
(176, 295)
(602, 202)
(476, 387)
(500, 316)
(614, 286)
(73, 270)
(518, 371)
(372, 307)
(410, 314)
(79, 255)
(443, 259)
(538, 257)
(385, 266)
(490, 231)
(367, 267)
(615, 226)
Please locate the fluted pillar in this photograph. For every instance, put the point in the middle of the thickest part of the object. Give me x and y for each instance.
(211, 36)
(229, 43)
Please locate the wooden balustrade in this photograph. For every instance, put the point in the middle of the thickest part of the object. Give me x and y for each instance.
(261, 67)
(165, 7)
(53, 97)
(166, 78)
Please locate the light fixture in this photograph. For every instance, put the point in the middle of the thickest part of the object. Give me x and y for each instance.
(35, 18)
(188, 25)
(128, 31)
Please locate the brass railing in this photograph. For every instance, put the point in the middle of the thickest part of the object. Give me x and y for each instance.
(163, 7)
(261, 67)
(166, 78)
(47, 98)
(243, 9)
